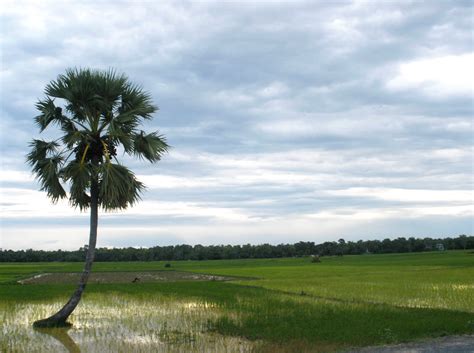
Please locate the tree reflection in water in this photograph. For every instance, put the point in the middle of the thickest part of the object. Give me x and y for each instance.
(61, 335)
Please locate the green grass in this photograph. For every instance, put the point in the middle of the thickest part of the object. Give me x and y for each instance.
(294, 304)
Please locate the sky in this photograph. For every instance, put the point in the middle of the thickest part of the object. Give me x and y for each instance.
(288, 120)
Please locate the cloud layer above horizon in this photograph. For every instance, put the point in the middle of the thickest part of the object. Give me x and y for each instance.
(289, 120)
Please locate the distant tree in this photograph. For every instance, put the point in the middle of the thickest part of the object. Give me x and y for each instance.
(98, 112)
(200, 252)
(462, 239)
(342, 246)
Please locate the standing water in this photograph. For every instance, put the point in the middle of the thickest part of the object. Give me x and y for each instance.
(118, 323)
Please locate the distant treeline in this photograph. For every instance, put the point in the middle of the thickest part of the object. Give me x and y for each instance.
(215, 252)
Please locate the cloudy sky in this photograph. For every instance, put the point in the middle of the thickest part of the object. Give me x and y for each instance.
(289, 120)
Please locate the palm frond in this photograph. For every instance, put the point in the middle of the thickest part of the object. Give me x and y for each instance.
(79, 87)
(72, 135)
(118, 187)
(122, 131)
(129, 109)
(110, 86)
(79, 175)
(149, 146)
(49, 113)
(46, 171)
(45, 163)
(137, 101)
(40, 149)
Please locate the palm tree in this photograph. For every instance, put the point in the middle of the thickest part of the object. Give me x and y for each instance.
(97, 112)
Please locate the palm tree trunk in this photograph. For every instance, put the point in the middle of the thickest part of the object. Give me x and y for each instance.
(60, 318)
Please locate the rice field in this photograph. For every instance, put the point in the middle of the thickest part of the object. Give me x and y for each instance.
(117, 323)
(265, 305)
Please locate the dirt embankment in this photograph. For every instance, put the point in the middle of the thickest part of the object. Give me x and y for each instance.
(122, 277)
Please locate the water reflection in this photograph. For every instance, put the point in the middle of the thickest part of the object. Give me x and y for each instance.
(119, 323)
(62, 336)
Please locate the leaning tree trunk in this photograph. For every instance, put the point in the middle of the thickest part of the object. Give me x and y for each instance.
(60, 318)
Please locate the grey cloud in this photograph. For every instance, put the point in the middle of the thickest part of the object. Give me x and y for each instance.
(246, 83)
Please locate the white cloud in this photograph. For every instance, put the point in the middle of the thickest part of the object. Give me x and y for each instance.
(24, 203)
(15, 176)
(451, 75)
(43, 237)
(184, 209)
(352, 215)
(411, 195)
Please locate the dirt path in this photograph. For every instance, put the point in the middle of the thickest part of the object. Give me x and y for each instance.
(451, 344)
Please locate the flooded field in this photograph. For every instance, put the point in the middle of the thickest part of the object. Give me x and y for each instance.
(118, 323)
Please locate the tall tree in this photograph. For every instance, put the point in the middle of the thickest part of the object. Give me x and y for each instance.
(97, 113)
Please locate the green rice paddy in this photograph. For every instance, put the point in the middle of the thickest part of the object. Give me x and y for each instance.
(264, 305)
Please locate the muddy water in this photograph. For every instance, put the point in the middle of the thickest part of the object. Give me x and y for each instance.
(118, 324)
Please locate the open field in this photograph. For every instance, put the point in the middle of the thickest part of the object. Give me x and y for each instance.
(273, 305)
